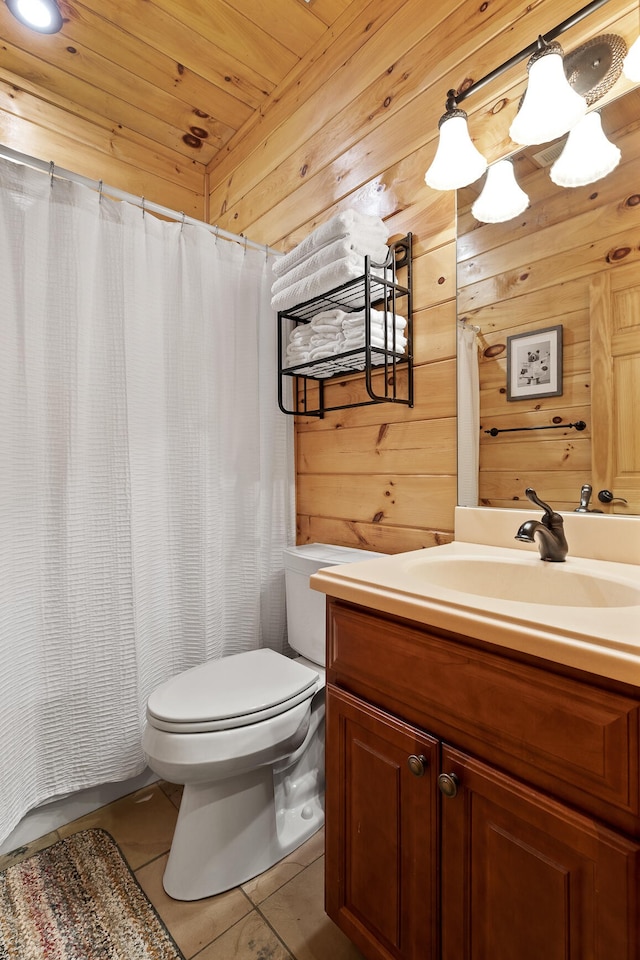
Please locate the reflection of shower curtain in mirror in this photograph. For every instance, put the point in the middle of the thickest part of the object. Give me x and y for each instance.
(146, 475)
(468, 415)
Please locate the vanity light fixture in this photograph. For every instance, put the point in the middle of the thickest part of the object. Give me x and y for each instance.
(550, 106)
(587, 155)
(457, 162)
(501, 198)
(562, 108)
(41, 15)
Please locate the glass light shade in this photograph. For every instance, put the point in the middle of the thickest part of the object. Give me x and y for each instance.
(551, 106)
(587, 155)
(41, 15)
(457, 162)
(631, 65)
(501, 198)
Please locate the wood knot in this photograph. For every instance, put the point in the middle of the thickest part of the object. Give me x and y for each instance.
(378, 516)
(495, 350)
(382, 432)
(617, 254)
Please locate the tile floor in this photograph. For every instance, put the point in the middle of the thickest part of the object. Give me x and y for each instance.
(277, 916)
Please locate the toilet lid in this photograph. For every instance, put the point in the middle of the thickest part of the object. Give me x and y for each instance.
(234, 691)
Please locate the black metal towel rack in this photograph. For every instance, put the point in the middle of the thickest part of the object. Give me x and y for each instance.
(578, 425)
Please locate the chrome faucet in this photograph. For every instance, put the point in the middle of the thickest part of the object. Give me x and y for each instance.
(549, 531)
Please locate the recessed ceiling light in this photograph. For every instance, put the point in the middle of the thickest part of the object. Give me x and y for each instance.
(41, 15)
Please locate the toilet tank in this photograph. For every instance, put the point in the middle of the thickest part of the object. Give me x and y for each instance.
(306, 607)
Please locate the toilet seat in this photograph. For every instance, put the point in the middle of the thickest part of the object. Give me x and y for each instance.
(235, 691)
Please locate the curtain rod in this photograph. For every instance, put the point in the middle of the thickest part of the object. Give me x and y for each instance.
(100, 187)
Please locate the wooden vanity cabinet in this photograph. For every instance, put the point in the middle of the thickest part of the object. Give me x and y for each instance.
(381, 851)
(446, 841)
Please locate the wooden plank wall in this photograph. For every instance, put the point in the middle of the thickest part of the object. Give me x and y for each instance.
(48, 112)
(535, 272)
(355, 125)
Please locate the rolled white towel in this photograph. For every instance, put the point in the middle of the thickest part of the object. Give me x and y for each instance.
(377, 319)
(357, 227)
(327, 330)
(328, 318)
(327, 349)
(296, 361)
(319, 338)
(301, 334)
(299, 344)
(297, 356)
(377, 340)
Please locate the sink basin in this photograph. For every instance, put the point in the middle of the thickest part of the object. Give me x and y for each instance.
(583, 613)
(529, 581)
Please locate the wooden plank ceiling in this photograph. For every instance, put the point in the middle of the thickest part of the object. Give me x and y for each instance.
(167, 75)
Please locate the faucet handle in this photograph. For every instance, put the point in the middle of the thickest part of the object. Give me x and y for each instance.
(605, 496)
(585, 496)
(533, 496)
(550, 519)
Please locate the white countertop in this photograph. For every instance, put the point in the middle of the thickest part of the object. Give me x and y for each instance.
(601, 640)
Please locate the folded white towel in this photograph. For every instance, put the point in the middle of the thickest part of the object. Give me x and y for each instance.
(325, 279)
(336, 250)
(358, 227)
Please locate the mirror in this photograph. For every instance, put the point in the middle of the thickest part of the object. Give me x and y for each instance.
(559, 288)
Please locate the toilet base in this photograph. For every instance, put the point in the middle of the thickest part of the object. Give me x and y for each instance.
(232, 830)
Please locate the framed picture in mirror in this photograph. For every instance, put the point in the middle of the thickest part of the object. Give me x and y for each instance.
(534, 364)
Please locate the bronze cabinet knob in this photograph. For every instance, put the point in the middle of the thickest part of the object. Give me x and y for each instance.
(417, 765)
(448, 783)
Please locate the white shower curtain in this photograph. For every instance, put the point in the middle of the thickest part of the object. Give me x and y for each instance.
(468, 390)
(145, 480)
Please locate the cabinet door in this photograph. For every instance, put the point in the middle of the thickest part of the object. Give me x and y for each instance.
(380, 831)
(528, 878)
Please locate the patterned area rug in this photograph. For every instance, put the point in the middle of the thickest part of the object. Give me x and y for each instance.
(78, 900)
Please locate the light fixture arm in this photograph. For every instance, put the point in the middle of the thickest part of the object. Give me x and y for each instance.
(535, 47)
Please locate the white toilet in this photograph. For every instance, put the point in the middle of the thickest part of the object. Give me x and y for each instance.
(245, 735)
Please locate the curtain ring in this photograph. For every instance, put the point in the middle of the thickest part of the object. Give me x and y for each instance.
(99, 191)
(245, 245)
(52, 167)
(182, 224)
(266, 248)
(217, 232)
(143, 210)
